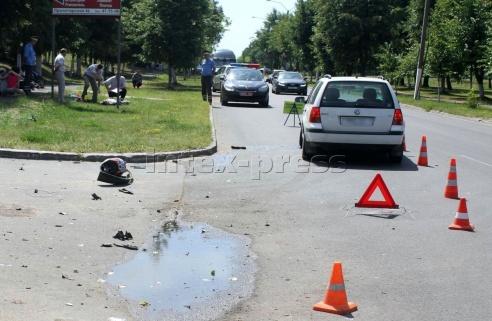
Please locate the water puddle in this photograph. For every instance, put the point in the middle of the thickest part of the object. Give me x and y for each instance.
(190, 271)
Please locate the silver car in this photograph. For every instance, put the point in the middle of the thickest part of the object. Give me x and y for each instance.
(355, 113)
(221, 72)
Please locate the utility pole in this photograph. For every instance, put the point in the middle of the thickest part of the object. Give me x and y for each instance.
(420, 65)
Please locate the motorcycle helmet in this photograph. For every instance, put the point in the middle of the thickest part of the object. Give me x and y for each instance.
(113, 170)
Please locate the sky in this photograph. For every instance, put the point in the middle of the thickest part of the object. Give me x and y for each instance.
(243, 25)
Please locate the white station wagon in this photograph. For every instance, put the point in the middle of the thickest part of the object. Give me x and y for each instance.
(357, 113)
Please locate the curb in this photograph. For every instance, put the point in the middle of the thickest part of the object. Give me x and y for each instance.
(99, 157)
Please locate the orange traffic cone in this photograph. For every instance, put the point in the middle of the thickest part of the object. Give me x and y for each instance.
(404, 144)
(451, 190)
(335, 298)
(423, 153)
(461, 221)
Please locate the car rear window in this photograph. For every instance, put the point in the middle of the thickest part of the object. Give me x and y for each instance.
(357, 94)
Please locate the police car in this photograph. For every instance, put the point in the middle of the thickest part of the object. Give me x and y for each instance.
(224, 70)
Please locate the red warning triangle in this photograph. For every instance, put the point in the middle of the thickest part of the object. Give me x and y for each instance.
(388, 199)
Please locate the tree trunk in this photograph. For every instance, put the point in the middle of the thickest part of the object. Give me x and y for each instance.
(170, 77)
(79, 66)
(441, 84)
(479, 76)
(426, 82)
(448, 83)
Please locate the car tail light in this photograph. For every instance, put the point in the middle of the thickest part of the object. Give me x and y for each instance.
(398, 117)
(315, 115)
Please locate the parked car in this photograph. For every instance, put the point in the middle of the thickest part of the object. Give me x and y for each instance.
(268, 71)
(289, 82)
(198, 70)
(244, 85)
(355, 113)
(274, 74)
(221, 72)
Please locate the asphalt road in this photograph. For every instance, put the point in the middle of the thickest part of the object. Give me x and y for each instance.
(301, 219)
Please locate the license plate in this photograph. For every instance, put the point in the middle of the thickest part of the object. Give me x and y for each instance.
(292, 87)
(357, 121)
(246, 93)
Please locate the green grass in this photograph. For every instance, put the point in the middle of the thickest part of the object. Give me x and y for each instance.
(156, 119)
(451, 101)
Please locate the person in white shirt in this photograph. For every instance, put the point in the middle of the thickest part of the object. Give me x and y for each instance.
(60, 73)
(112, 85)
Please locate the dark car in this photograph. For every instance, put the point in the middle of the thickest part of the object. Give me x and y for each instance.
(289, 82)
(244, 85)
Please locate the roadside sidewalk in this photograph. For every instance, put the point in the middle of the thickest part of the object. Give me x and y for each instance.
(52, 264)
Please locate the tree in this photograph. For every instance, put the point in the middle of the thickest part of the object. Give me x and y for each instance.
(354, 30)
(302, 34)
(175, 31)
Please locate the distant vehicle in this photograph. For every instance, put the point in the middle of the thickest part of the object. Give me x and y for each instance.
(274, 73)
(198, 70)
(224, 70)
(289, 82)
(244, 85)
(223, 57)
(355, 113)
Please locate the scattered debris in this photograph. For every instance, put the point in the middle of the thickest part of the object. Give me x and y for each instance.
(138, 166)
(70, 304)
(58, 225)
(187, 306)
(126, 191)
(21, 169)
(127, 246)
(32, 118)
(35, 190)
(123, 236)
(238, 147)
(144, 303)
(66, 277)
(62, 213)
(212, 273)
(96, 197)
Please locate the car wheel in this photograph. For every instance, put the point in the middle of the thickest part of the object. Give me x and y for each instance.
(264, 103)
(308, 151)
(223, 102)
(396, 154)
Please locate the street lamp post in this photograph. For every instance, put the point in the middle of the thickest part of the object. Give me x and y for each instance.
(280, 4)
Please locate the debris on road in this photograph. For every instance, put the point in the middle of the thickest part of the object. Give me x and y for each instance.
(96, 197)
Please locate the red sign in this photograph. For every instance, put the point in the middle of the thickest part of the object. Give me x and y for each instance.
(87, 8)
(388, 202)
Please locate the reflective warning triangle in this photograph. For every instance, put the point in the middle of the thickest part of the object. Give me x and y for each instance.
(365, 201)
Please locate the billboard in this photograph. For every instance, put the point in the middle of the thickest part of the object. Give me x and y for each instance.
(87, 8)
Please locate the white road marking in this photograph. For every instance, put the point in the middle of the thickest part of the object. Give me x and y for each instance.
(476, 160)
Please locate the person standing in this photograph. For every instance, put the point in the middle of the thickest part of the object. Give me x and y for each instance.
(208, 70)
(29, 62)
(112, 85)
(60, 73)
(93, 76)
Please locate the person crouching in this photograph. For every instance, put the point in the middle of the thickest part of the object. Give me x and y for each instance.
(112, 86)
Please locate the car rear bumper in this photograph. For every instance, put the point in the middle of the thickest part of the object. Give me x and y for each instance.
(373, 141)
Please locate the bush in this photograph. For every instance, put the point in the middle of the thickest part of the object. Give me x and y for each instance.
(472, 99)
